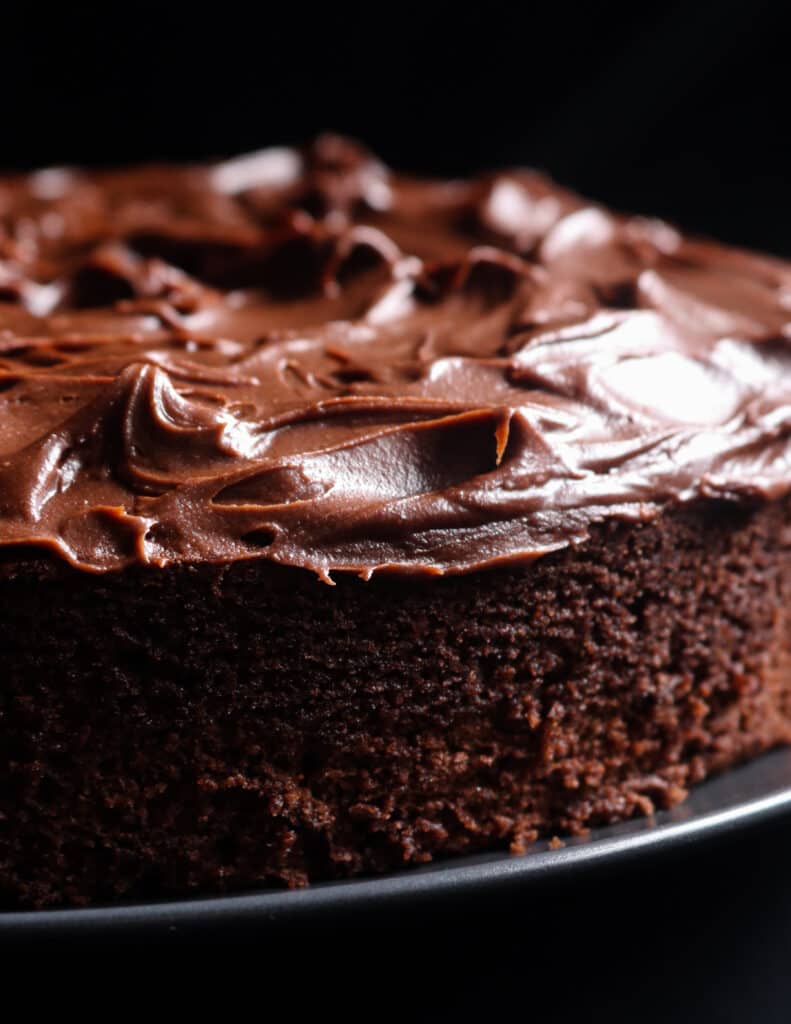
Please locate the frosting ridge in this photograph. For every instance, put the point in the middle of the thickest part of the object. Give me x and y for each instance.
(303, 357)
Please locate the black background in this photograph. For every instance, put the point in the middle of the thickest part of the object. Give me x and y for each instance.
(679, 109)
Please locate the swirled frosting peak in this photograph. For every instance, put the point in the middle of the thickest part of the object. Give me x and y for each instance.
(302, 357)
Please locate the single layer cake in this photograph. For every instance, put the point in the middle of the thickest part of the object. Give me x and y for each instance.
(350, 521)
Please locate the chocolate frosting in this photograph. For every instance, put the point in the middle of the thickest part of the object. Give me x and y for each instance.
(300, 356)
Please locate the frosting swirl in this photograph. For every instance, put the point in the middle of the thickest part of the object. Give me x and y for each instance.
(300, 356)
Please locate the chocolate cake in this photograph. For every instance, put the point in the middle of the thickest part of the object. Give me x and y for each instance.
(350, 521)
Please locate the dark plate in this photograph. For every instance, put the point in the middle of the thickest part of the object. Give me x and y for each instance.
(747, 794)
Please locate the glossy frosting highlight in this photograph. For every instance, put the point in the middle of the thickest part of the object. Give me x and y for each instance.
(303, 357)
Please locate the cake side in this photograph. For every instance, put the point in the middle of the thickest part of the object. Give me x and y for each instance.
(212, 728)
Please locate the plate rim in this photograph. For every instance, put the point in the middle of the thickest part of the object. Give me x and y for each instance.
(748, 794)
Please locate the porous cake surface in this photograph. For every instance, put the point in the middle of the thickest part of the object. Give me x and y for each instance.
(540, 449)
(204, 729)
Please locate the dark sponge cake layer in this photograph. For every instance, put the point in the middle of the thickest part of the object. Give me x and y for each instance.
(206, 728)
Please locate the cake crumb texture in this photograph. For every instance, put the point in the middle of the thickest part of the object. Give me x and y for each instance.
(214, 728)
